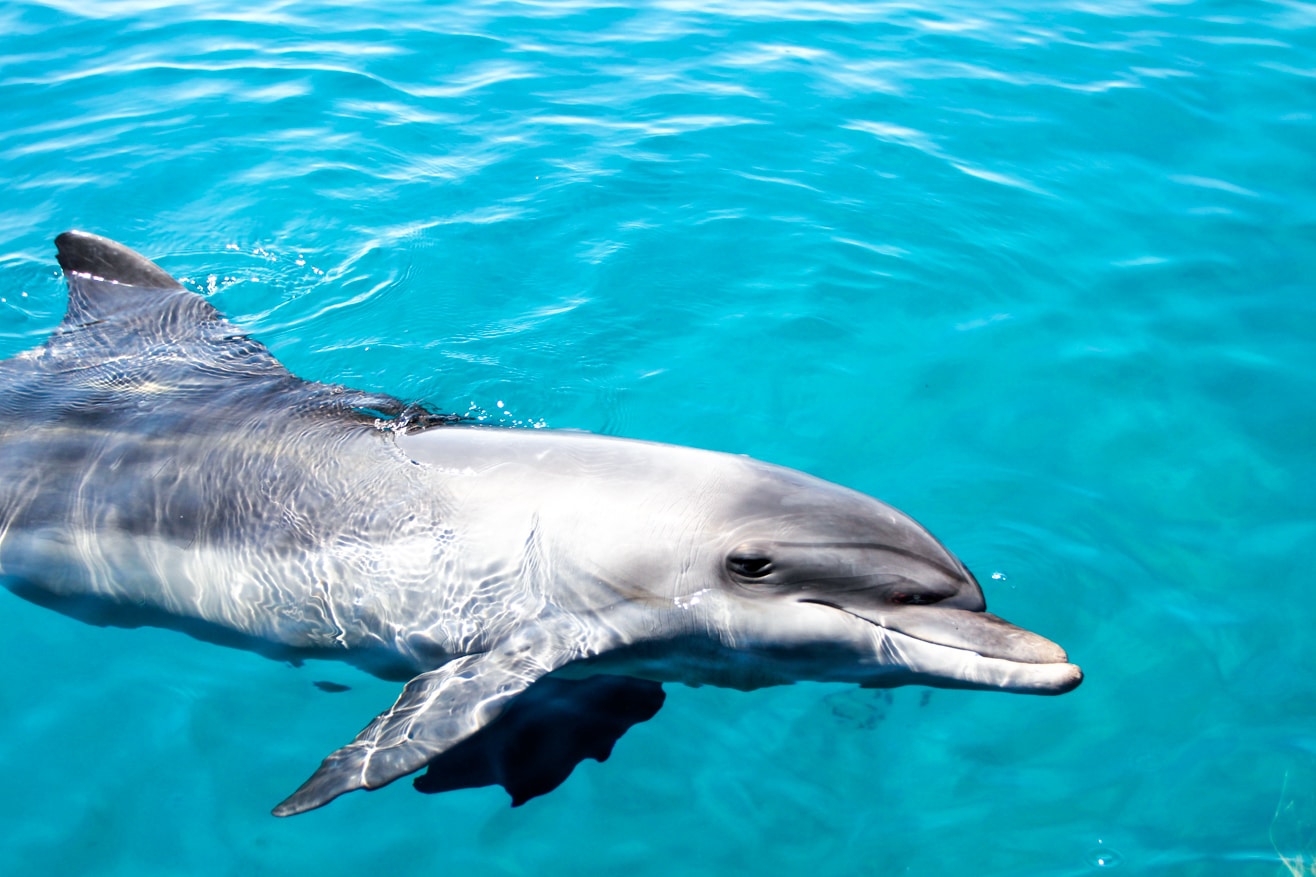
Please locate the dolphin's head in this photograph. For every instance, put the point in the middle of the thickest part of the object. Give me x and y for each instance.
(712, 568)
(811, 580)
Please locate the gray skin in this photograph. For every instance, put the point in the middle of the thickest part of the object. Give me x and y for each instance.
(156, 461)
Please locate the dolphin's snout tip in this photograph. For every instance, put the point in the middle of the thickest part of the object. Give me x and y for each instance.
(1059, 678)
(1052, 673)
(1074, 679)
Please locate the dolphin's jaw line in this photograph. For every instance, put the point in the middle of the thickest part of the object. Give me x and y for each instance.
(933, 642)
(973, 668)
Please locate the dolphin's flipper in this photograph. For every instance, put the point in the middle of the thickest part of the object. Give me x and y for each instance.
(544, 734)
(436, 711)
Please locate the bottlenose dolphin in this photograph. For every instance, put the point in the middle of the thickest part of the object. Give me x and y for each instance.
(537, 587)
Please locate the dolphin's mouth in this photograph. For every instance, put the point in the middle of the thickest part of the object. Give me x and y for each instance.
(959, 648)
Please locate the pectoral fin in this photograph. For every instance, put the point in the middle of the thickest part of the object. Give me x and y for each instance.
(435, 711)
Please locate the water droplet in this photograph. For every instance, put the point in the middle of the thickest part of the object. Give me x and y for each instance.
(500, 403)
(998, 577)
(1105, 857)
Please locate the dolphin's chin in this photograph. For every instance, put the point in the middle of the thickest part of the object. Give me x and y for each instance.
(951, 648)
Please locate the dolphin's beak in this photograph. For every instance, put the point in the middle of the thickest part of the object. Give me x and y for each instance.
(959, 648)
(989, 635)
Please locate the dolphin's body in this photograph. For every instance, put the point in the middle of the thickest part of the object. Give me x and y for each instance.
(537, 587)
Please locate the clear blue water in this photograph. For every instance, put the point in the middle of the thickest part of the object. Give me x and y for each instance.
(1041, 274)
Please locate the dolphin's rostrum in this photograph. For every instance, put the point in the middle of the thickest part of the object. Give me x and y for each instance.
(537, 587)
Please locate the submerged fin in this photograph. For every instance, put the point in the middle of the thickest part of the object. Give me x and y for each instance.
(541, 737)
(435, 711)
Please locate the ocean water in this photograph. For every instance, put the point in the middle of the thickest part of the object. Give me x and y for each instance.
(1038, 273)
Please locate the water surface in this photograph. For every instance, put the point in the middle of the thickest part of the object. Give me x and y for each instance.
(1039, 274)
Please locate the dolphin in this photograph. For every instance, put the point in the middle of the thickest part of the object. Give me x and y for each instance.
(535, 587)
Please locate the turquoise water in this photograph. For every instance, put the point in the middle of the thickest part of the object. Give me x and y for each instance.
(1039, 274)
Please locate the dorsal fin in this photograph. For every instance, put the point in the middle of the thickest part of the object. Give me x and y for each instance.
(111, 286)
(130, 322)
(83, 253)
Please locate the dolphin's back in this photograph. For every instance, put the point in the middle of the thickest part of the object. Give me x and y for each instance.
(151, 453)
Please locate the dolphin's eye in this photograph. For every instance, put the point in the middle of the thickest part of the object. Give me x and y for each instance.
(924, 599)
(750, 566)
